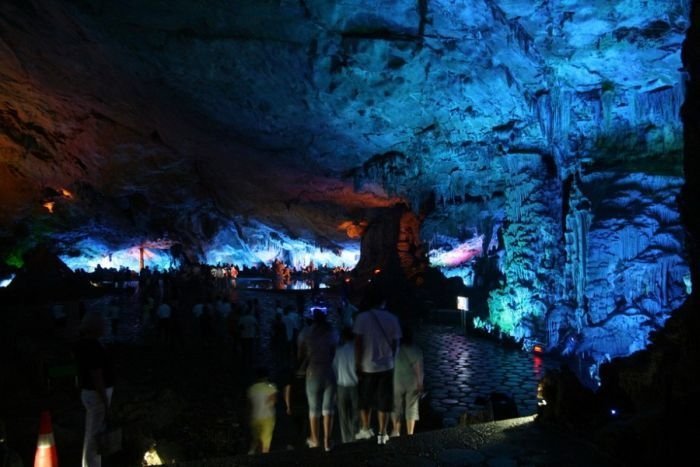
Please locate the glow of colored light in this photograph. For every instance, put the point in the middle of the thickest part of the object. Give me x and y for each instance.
(613, 412)
(66, 194)
(462, 303)
(377, 271)
(7, 281)
(353, 229)
(464, 272)
(15, 258)
(151, 457)
(94, 253)
(49, 205)
(458, 255)
(538, 366)
(261, 243)
(538, 348)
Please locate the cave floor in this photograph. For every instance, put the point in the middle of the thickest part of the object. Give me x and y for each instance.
(505, 443)
(187, 395)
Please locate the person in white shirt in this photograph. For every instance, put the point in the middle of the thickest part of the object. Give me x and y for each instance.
(377, 335)
(408, 384)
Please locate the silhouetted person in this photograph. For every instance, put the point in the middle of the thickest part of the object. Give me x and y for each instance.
(346, 377)
(96, 379)
(408, 384)
(319, 345)
(248, 326)
(377, 335)
(164, 313)
(282, 377)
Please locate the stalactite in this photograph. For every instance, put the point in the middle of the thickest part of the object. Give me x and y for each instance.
(529, 263)
(553, 326)
(517, 33)
(664, 266)
(631, 243)
(520, 36)
(543, 108)
(635, 269)
(562, 120)
(662, 105)
(664, 214)
(607, 104)
(553, 111)
(578, 221)
(658, 278)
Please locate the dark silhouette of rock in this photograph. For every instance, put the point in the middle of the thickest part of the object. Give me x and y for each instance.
(44, 276)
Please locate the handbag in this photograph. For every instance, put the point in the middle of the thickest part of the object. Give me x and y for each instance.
(109, 440)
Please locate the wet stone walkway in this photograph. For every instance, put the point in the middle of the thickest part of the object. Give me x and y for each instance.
(461, 371)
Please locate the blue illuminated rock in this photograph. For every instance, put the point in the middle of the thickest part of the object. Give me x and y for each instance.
(249, 130)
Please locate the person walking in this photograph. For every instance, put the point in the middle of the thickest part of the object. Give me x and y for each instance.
(262, 397)
(319, 346)
(408, 384)
(346, 377)
(282, 376)
(96, 380)
(377, 335)
(347, 313)
(292, 324)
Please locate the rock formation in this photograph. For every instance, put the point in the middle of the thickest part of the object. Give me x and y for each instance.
(546, 135)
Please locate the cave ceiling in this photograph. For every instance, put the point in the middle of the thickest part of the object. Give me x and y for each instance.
(172, 118)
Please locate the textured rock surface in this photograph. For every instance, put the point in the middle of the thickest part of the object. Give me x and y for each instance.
(241, 129)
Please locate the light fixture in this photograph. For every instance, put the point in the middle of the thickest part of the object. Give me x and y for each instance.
(151, 457)
(49, 206)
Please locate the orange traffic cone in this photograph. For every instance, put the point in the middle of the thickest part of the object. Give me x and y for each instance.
(46, 454)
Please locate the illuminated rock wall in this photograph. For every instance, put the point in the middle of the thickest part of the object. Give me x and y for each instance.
(540, 140)
(532, 249)
(251, 243)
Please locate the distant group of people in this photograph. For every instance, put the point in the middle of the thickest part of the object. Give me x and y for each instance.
(370, 366)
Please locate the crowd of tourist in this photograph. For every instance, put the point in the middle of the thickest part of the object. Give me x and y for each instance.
(355, 362)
